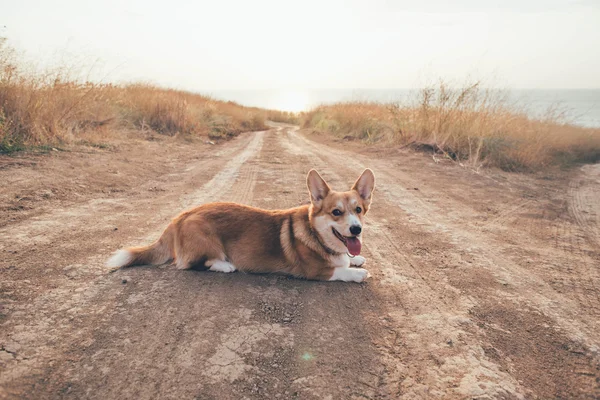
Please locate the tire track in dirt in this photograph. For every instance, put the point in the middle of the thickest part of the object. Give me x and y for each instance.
(223, 182)
(507, 213)
(573, 265)
(84, 296)
(584, 203)
(580, 239)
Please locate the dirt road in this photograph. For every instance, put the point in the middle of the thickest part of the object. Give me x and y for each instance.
(483, 286)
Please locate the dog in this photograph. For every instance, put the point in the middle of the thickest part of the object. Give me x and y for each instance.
(317, 241)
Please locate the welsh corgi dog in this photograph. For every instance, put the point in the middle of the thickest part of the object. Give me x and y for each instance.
(319, 241)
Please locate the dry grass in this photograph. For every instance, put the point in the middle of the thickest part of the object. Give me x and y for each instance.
(171, 112)
(38, 109)
(472, 125)
(283, 116)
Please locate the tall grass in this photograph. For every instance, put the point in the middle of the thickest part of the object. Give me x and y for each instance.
(54, 107)
(470, 124)
(287, 117)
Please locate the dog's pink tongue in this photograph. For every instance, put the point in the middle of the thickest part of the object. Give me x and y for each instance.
(353, 246)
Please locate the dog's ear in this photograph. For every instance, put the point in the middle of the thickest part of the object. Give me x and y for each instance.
(317, 187)
(365, 184)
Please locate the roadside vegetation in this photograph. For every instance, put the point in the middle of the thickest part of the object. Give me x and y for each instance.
(470, 124)
(283, 116)
(39, 110)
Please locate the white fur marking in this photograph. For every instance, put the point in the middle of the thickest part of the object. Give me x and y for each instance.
(357, 261)
(120, 258)
(341, 261)
(222, 266)
(353, 220)
(349, 274)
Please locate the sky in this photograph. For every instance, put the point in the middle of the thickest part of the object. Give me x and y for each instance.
(263, 44)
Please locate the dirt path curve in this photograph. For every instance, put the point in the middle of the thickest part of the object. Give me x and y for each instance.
(483, 287)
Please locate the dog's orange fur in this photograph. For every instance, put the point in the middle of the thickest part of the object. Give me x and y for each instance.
(252, 239)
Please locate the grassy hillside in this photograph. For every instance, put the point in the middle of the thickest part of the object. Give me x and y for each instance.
(41, 109)
(471, 125)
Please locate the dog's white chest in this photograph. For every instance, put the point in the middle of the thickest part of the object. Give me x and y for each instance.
(341, 261)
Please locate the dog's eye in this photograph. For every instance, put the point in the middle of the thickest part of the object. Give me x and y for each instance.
(336, 212)
(358, 210)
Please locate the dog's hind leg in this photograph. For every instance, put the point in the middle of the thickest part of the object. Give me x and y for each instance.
(199, 250)
(192, 248)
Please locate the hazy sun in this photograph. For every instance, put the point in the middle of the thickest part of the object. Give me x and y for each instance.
(292, 100)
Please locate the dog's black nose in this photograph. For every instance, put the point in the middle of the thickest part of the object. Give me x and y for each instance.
(355, 229)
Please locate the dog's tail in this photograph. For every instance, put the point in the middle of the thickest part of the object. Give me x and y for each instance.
(157, 253)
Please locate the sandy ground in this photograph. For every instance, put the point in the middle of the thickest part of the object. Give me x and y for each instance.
(484, 286)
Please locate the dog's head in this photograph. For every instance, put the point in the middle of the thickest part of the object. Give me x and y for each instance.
(338, 216)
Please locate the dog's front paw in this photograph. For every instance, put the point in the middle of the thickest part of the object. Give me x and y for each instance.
(357, 261)
(360, 274)
(349, 274)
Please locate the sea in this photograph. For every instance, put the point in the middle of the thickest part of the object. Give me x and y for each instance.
(574, 106)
